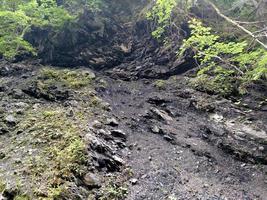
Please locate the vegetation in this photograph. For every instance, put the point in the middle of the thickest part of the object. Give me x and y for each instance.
(67, 78)
(19, 17)
(160, 84)
(226, 63)
(161, 13)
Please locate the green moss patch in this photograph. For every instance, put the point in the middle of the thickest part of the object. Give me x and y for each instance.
(160, 84)
(73, 79)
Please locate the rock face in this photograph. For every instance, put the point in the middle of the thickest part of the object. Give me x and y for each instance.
(96, 39)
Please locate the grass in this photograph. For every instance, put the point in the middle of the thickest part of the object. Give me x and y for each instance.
(60, 153)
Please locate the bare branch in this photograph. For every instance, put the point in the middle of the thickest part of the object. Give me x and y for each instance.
(235, 23)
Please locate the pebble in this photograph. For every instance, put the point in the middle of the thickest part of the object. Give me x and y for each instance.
(168, 138)
(261, 148)
(155, 129)
(133, 181)
(10, 119)
(92, 180)
(2, 155)
(97, 124)
(112, 122)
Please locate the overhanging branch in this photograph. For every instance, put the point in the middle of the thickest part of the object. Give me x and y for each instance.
(235, 24)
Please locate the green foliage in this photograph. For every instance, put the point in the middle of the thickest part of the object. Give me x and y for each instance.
(222, 62)
(17, 18)
(161, 13)
(74, 6)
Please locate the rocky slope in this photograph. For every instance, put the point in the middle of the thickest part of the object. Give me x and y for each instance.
(126, 126)
(74, 134)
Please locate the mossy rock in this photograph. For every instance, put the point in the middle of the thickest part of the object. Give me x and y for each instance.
(160, 84)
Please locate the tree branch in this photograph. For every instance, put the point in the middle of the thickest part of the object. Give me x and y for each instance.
(235, 23)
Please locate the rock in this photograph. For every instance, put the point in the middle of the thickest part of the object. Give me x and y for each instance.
(133, 181)
(118, 160)
(106, 106)
(155, 129)
(158, 100)
(10, 192)
(50, 92)
(17, 93)
(3, 130)
(261, 148)
(119, 133)
(11, 120)
(3, 88)
(105, 134)
(112, 122)
(100, 146)
(21, 105)
(161, 114)
(92, 180)
(97, 124)
(168, 138)
(2, 155)
(111, 163)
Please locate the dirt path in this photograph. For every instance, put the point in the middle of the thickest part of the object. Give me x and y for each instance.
(168, 150)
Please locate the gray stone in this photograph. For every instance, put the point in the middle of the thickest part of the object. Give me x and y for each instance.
(118, 160)
(2, 155)
(119, 133)
(92, 180)
(112, 122)
(10, 119)
(97, 125)
(155, 129)
(168, 138)
(161, 114)
(133, 181)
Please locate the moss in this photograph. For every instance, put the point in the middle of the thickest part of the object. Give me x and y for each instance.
(49, 113)
(114, 192)
(51, 138)
(21, 197)
(2, 186)
(222, 85)
(160, 84)
(60, 151)
(75, 79)
(55, 193)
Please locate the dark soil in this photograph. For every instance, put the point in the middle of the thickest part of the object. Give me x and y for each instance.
(183, 154)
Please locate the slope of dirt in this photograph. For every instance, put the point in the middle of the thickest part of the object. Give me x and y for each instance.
(170, 151)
